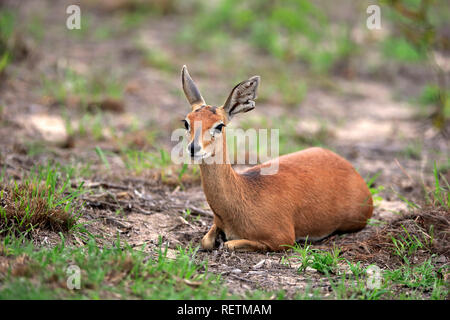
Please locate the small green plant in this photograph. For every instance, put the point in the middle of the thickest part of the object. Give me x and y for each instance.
(7, 24)
(187, 214)
(440, 194)
(406, 244)
(4, 61)
(323, 261)
(302, 253)
(183, 170)
(401, 50)
(326, 261)
(102, 157)
(356, 268)
(374, 191)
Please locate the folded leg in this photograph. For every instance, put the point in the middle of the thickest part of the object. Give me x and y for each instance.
(210, 238)
(245, 245)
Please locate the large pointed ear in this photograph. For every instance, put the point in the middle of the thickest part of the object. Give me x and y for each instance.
(241, 98)
(190, 90)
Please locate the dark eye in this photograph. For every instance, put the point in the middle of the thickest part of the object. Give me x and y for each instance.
(186, 124)
(219, 127)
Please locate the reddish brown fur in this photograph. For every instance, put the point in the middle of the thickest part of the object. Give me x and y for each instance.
(314, 193)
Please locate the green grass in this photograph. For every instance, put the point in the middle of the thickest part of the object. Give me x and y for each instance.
(292, 30)
(104, 32)
(399, 49)
(431, 95)
(44, 199)
(323, 261)
(4, 61)
(375, 191)
(87, 89)
(138, 160)
(344, 285)
(111, 272)
(413, 150)
(293, 90)
(35, 147)
(159, 59)
(91, 125)
(424, 276)
(436, 196)
(117, 271)
(422, 280)
(35, 27)
(354, 286)
(7, 25)
(102, 157)
(156, 57)
(405, 244)
(440, 194)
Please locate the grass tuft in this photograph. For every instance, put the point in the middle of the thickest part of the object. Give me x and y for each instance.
(42, 201)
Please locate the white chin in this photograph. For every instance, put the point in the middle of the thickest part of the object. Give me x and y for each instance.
(201, 156)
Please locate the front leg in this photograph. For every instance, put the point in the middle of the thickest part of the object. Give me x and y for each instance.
(209, 239)
(245, 245)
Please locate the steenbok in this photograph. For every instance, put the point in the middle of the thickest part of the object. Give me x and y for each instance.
(314, 193)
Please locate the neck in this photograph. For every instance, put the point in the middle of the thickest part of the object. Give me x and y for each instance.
(220, 182)
(218, 174)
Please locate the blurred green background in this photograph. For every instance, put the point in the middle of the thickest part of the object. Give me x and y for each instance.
(115, 82)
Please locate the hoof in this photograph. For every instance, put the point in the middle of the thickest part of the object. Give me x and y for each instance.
(207, 244)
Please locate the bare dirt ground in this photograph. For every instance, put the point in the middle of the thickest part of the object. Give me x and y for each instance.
(365, 120)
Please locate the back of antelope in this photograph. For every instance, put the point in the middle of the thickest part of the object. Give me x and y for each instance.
(314, 193)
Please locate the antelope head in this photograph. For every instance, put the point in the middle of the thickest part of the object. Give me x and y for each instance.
(206, 124)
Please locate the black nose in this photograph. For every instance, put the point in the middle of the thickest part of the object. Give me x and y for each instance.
(193, 148)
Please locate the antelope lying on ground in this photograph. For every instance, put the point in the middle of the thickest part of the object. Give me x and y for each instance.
(314, 193)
